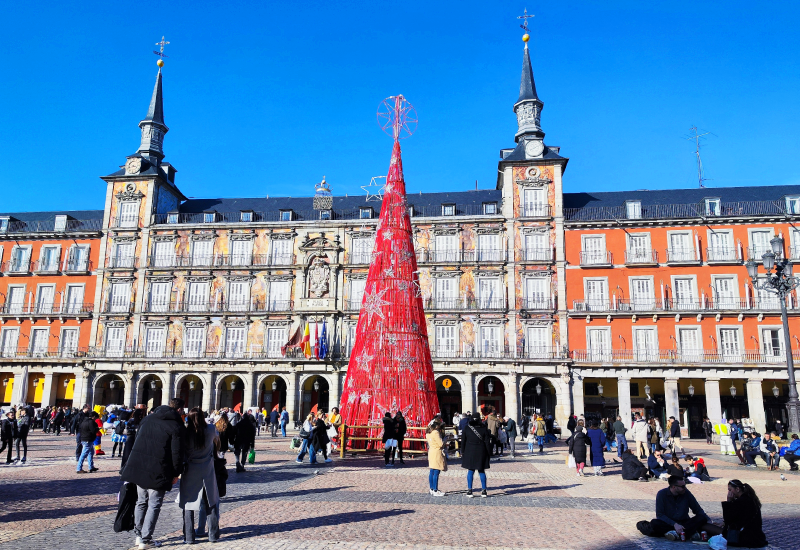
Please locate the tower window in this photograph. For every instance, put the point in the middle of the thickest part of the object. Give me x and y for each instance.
(61, 223)
(411, 211)
(246, 216)
(793, 205)
(448, 210)
(4, 225)
(172, 217)
(490, 208)
(366, 212)
(324, 214)
(209, 217)
(286, 215)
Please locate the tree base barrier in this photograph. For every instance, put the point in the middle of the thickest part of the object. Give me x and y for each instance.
(369, 440)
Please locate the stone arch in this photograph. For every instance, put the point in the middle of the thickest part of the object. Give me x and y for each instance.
(230, 391)
(311, 397)
(497, 397)
(192, 396)
(266, 397)
(145, 394)
(102, 392)
(532, 401)
(450, 399)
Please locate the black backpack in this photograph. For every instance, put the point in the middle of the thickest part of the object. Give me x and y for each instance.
(120, 428)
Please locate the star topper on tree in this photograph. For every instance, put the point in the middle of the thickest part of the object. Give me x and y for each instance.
(374, 189)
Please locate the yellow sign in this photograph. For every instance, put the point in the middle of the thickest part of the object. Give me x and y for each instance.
(447, 383)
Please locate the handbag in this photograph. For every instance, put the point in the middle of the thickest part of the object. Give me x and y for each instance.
(303, 433)
(251, 456)
(487, 444)
(571, 461)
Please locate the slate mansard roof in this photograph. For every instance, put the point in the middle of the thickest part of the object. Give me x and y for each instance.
(45, 222)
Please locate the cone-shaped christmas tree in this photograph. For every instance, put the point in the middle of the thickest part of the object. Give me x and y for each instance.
(390, 366)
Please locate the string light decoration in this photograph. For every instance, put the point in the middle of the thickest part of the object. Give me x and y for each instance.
(390, 365)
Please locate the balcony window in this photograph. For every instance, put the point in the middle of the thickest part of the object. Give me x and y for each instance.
(772, 344)
(78, 259)
(489, 249)
(681, 248)
(115, 341)
(645, 344)
(286, 215)
(172, 217)
(49, 259)
(446, 293)
(197, 297)
(539, 343)
(446, 248)
(73, 304)
(194, 342)
(128, 214)
(159, 297)
(729, 344)
(155, 339)
(633, 210)
(725, 293)
(44, 299)
(60, 224)
(793, 205)
(594, 250)
(448, 210)
(642, 297)
(8, 342)
(684, 295)
(39, 340)
(596, 294)
(712, 207)
(639, 249)
(720, 247)
(537, 247)
(238, 295)
(537, 293)
(282, 252)
(446, 341)
(163, 254)
(690, 344)
(280, 295)
(16, 299)
(357, 287)
(241, 252)
(123, 255)
(235, 341)
(276, 338)
(120, 298)
(209, 217)
(599, 343)
(69, 342)
(20, 259)
(362, 250)
(491, 341)
(365, 212)
(490, 295)
(490, 208)
(202, 253)
(759, 243)
(535, 203)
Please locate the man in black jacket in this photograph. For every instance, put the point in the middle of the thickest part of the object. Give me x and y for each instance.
(8, 431)
(245, 439)
(675, 435)
(75, 429)
(87, 432)
(154, 465)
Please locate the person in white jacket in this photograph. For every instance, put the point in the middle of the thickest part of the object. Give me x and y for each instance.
(640, 436)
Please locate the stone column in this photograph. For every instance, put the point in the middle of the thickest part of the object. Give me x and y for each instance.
(130, 389)
(755, 402)
(624, 399)
(79, 391)
(467, 393)
(512, 402)
(577, 394)
(249, 390)
(671, 398)
(291, 395)
(562, 387)
(167, 388)
(713, 403)
(208, 390)
(333, 392)
(19, 393)
(47, 391)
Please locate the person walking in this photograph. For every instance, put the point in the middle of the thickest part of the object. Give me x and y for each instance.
(400, 434)
(476, 445)
(335, 419)
(598, 441)
(227, 433)
(389, 438)
(305, 434)
(131, 427)
(640, 436)
(571, 423)
(320, 439)
(198, 490)
(274, 417)
(118, 437)
(511, 433)
(437, 456)
(259, 422)
(655, 437)
(708, 429)
(75, 428)
(284, 419)
(577, 448)
(672, 514)
(23, 426)
(87, 431)
(154, 465)
(245, 440)
(619, 432)
(675, 435)
(8, 429)
(58, 420)
(541, 432)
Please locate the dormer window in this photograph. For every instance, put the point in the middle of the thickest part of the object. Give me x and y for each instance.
(172, 217)
(286, 215)
(246, 216)
(365, 212)
(490, 208)
(793, 205)
(324, 214)
(209, 217)
(411, 211)
(633, 210)
(4, 224)
(448, 210)
(712, 207)
(61, 223)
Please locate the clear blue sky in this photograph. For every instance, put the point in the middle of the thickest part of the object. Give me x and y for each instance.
(263, 98)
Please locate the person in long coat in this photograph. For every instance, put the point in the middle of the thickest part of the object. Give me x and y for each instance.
(598, 441)
(401, 428)
(436, 458)
(476, 445)
(389, 434)
(319, 439)
(577, 448)
(199, 491)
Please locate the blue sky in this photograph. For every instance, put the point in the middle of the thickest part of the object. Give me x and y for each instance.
(264, 98)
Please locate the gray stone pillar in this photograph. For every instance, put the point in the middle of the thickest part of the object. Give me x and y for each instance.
(755, 402)
(467, 393)
(671, 398)
(334, 392)
(167, 388)
(20, 392)
(577, 393)
(130, 391)
(250, 381)
(624, 399)
(291, 395)
(208, 390)
(713, 403)
(48, 395)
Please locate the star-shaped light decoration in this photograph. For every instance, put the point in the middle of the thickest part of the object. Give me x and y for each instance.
(352, 397)
(373, 304)
(364, 360)
(421, 384)
(374, 189)
(405, 362)
(392, 339)
(388, 272)
(365, 397)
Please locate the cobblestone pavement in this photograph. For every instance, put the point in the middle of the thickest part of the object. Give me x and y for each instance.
(534, 502)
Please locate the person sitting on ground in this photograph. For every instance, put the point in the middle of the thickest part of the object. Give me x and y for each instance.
(770, 452)
(673, 504)
(657, 465)
(699, 469)
(674, 467)
(741, 515)
(793, 453)
(632, 467)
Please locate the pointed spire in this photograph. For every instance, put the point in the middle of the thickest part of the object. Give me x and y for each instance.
(153, 127)
(527, 86)
(528, 107)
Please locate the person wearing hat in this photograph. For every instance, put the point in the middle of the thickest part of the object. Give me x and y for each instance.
(476, 445)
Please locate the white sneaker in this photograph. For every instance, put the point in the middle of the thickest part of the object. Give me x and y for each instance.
(151, 544)
(138, 541)
(438, 493)
(430, 491)
(328, 460)
(672, 535)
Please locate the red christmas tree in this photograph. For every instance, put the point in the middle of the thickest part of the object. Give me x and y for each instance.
(390, 366)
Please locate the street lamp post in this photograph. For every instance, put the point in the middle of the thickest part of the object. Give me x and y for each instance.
(780, 281)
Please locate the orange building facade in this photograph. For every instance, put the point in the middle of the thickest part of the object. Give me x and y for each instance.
(659, 298)
(47, 291)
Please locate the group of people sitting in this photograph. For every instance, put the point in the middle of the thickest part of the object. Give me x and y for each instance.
(659, 467)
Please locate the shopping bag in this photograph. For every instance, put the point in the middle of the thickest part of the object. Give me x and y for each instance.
(251, 456)
(571, 461)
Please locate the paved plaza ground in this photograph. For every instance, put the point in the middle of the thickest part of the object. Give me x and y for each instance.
(534, 502)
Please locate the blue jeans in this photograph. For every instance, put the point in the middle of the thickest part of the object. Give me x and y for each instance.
(530, 446)
(312, 454)
(540, 441)
(303, 450)
(433, 480)
(471, 474)
(88, 450)
(283, 429)
(622, 445)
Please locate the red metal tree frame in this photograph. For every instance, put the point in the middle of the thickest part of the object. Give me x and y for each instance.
(390, 365)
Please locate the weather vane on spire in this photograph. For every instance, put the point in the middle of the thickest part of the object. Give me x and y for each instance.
(161, 53)
(524, 26)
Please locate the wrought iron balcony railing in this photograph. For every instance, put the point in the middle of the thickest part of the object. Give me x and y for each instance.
(216, 306)
(174, 351)
(62, 351)
(535, 211)
(12, 308)
(538, 304)
(50, 226)
(595, 258)
(677, 306)
(464, 303)
(678, 356)
(78, 266)
(535, 255)
(16, 267)
(123, 262)
(678, 211)
(221, 260)
(454, 255)
(641, 256)
(722, 255)
(682, 255)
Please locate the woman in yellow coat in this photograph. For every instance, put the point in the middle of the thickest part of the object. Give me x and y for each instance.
(437, 461)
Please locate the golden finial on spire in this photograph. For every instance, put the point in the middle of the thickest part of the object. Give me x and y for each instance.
(160, 53)
(524, 26)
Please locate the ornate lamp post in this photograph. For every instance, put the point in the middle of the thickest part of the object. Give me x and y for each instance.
(780, 281)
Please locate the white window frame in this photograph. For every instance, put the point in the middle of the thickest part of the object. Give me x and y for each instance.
(22, 266)
(274, 339)
(751, 246)
(792, 204)
(11, 307)
(712, 206)
(716, 254)
(64, 349)
(684, 305)
(124, 260)
(765, 299)
(596, 304)
(644, 304)
(493, 349)
(246, 216)
(155, 347)
(602, 355)
(199, 260)
(127, 220)
(794, 240)
(9, 352)
(189, 351)
(122, 302)
(277, 255)
(489, 208)
(286, 215)
(277, 305)
(644, 354)
(54, 265)
(535, 202)
(209, 217)
(241, 257)
(692, 354)
(731, 302)
(164, 260)
(241, 303)
(534, 351)
(44, 308)
(37, 347)
(365, 213)
(361, 249)
(492, 252)
(633, 210)
(60, 223)
(447, 345)
(537, 253)
(5, 221)
(491, 301)
(355, 299)
(231, 351)
(690, 254)
(448, 209)
(639, 255)
(444, 297)
(70, 264)
(195, 303)
(172, 217)
(768, 351)
(737, 355)
(156, 304)
(594, 257)
(448, 253)
(534, 302)
(114, 352)
(73, 309)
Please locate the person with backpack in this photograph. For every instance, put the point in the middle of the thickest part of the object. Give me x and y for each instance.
(118, 437)
(87, 431)
(736, 435)
(305, 434)
(476, 449)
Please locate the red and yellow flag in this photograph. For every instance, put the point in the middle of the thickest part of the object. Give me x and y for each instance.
(306, 343)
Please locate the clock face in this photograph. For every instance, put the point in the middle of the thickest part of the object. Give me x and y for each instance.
(133, 166)
(534, 148)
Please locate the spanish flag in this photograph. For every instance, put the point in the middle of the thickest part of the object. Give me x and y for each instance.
(306, 343)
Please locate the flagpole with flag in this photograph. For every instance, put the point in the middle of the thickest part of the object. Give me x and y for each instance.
(316, 341)
(323, 344)
(306, 343)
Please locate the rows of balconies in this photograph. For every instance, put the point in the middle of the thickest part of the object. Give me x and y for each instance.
(650, 305)
(201, 307)
(15, 309)
(26, 267)
(37, 352)
(643, 355)
(678, 256)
